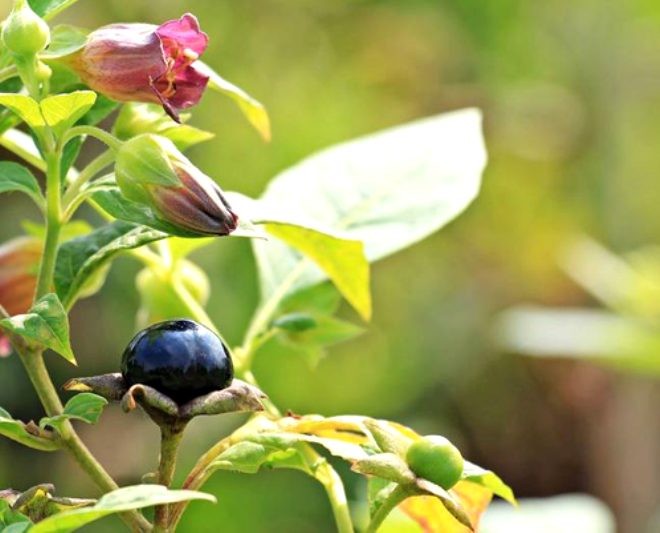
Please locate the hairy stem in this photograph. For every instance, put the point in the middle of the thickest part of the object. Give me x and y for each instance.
(399, 494)
(170, 439)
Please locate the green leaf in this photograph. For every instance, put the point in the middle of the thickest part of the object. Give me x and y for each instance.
(489, 480)
(388, 190)
(342, 260)
(26, 108)
(321, 299)
(45, 324)
(124, 499)
(137, 118)
(27, 435)
(80, 258)
(85, 406)
(326, 331)
(15, 177)
(49, 8)
(22, 144)
(386, 466)
(63, 110)
(253, 110)
(64, 40)
(245, 457)
(295, 322)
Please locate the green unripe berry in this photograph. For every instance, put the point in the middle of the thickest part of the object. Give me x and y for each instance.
(24, 32)
(435, 458)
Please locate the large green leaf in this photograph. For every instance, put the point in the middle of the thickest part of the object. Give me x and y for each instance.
(61, 111)
(388, 190)
(45, 324)
(30, 436)
(124, 499)
(80, 258)
(85, 406)
(15, 177)
(22, 144)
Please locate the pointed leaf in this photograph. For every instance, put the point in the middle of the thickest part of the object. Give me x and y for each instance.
(82, 257)
(387, 466)
(45, 324)
(63, 110)
(84, 406)
(49, 8)
(25, 107)
(488, 479)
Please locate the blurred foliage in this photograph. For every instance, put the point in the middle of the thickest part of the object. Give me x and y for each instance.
(570, 95)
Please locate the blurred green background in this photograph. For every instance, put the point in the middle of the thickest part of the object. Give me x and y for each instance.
(571, 96)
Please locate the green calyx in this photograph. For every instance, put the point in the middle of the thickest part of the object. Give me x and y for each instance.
(24, 32)
(146, 160)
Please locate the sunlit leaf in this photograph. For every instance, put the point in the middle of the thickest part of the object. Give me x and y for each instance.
(342, 260)
(124, 499)
(26, 108)
(45, 324)
(489, 480)
(61, 111)
(388, 190)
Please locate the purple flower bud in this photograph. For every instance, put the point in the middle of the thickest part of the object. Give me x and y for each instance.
(152, 171)
(145, 63)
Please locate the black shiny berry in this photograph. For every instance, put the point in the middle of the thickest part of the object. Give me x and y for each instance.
(179, 358)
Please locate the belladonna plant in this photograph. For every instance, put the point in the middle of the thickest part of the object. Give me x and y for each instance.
(315, 232)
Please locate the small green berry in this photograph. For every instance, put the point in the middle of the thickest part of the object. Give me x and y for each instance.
(436, 459)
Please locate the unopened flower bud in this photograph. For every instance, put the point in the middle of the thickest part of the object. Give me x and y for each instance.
(24, 32)
(150, 170)
(145, 63)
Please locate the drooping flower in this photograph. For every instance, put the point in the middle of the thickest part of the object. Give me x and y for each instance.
(145, 63)
(19, 259)
(151, 170)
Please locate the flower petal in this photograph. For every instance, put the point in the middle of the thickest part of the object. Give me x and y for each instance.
(185, 33)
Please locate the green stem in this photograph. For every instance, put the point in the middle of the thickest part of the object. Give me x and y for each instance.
(53, 225)
(333, 485)
(102, 135)
(170, 440)
(399, 494)
(8, 72)
(91, 170)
